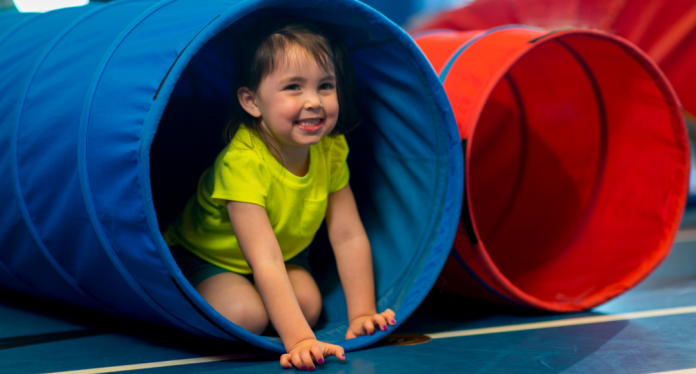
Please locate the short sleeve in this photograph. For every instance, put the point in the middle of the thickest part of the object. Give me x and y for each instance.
(338, 154)
(240, 176)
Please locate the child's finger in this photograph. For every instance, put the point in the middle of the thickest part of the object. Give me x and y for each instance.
(380, 321)
(350, 334)
(337, 351)
(285, 361)
(389, 316)
(296, 360)
(307, 362)
(369, 327)
(317, 353)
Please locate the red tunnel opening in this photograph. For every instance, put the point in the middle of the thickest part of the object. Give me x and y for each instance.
(577, 168)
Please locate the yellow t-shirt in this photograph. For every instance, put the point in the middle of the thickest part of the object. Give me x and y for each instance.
(246, 171)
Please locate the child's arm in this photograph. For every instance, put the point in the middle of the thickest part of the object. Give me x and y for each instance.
(261, 250)
(354, 259)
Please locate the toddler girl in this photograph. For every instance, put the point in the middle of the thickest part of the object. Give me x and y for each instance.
(241, 238)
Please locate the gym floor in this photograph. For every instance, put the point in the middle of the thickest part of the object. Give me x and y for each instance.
(650, 329)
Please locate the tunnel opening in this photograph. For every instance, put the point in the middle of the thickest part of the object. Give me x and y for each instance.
(398, 166)
(572, 170)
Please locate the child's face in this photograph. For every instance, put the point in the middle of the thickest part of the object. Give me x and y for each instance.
(297, 102)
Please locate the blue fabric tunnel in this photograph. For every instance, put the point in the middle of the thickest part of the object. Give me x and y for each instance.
(111, 112)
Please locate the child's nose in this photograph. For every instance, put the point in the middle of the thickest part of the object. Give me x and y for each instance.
(313, 102)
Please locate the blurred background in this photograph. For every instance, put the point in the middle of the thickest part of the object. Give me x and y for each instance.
(402, 12)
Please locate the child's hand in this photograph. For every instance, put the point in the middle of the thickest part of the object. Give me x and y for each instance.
(366, 324)
(306, 352)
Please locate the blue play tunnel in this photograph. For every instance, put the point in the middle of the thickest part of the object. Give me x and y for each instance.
(109, 114)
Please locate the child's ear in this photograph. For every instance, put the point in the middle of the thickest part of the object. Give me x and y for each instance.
(248, 102)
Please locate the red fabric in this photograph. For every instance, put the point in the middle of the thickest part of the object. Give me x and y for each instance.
(577, 164)
(665, 30)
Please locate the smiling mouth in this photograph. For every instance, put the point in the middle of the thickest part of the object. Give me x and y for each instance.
(310, 125)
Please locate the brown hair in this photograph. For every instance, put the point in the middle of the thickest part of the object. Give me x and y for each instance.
(268, 46)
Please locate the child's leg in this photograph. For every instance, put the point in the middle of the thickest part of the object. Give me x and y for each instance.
(306, 291)
(236, 299)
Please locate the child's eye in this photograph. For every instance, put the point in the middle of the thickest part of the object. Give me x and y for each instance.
(326, 86)
(293, 87)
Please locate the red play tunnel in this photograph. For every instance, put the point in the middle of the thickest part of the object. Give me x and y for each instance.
(664, 29)
(576, 164)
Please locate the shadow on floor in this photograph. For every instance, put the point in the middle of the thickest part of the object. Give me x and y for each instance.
(49, 321)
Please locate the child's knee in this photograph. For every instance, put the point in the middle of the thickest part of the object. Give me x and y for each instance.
(251, 317)
(310, 303)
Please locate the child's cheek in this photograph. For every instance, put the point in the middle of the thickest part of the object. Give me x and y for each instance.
(331, 108)
(289, 108)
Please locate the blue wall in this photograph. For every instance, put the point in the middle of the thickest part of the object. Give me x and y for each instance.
(400, 11)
